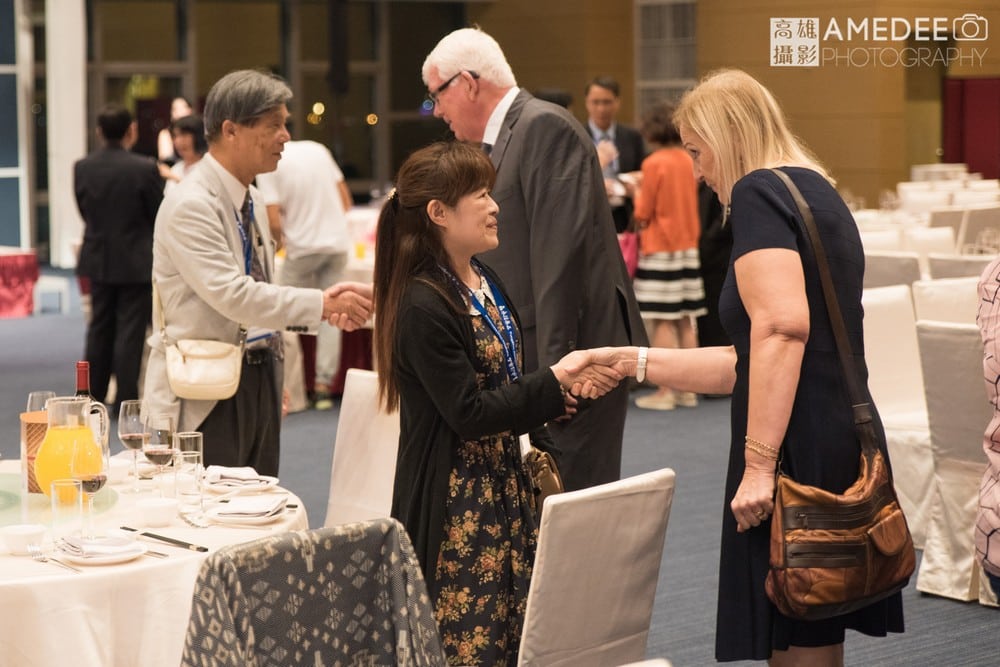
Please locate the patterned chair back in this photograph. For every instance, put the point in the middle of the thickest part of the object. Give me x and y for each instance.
(348, 595)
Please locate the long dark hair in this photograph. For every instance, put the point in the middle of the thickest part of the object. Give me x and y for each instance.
(408, 244)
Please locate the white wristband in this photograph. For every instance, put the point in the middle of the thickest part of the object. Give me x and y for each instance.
(640, 367)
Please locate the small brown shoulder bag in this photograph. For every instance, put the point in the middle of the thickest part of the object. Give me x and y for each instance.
(834, 553)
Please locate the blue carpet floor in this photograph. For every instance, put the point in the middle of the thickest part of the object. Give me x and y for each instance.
(38, 353)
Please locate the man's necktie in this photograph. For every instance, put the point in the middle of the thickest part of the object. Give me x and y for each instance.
(256, 267)
(487, 148)
(611, 170)
(246, 216)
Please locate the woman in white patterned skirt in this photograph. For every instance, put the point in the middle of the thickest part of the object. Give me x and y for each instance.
(668, 283)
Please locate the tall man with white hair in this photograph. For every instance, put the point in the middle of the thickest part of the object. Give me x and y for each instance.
(558, 253)
(213, 262)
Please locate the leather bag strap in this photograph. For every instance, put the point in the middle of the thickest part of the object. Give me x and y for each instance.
(863, 418)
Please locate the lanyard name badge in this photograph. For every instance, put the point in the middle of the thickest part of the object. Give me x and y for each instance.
(256, 334)
(247, 247)
(508, 339)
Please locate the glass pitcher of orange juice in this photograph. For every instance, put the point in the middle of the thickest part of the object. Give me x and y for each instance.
(73, 421)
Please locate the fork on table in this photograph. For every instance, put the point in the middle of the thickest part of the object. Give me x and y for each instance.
(38, 555)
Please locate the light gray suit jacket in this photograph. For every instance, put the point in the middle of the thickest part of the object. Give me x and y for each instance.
(560, 260)
(198, 268)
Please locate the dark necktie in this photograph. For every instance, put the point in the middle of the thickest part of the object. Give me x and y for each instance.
(246, 216)
(256, 267)
(487, 148)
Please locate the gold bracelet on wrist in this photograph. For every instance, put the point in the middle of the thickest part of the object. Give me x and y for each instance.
(758, 447)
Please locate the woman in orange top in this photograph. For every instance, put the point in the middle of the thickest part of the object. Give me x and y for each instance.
(668, 283)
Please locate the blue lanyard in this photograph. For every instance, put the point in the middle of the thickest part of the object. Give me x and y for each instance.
(508, 340)
(247, 247)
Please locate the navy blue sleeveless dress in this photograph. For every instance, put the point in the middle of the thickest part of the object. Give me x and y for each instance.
(763, 215)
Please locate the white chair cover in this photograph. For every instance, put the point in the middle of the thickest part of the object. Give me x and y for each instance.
(925, 240)
(978, 220)
(975, 197)
(658, 662)
(949, 216)
(947, 300)
(939, 171)
(917, 201)
(364, 455)
(596, 569)
(984, 184)
(957, 410)
(881, 239)
(896, 383)
(957, 266)
(891, 268)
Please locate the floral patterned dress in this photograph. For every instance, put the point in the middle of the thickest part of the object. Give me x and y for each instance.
(480, 585)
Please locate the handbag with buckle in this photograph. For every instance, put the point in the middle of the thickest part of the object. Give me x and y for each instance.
(835, 553)
(545, 479)
(201, 369)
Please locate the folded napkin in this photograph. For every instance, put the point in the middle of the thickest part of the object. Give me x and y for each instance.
(100, 546)
(235, 477)
(251, 506)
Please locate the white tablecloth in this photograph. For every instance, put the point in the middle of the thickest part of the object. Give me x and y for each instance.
(133, 613)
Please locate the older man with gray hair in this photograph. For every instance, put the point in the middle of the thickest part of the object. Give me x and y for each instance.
(558, 254)
(213, 262)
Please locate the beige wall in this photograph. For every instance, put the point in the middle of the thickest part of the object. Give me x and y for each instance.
(564, 43)
(867, 124)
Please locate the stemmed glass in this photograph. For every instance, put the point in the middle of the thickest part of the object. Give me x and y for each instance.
(130, 432)
(37, 399)
(89, 466)
(158, 445)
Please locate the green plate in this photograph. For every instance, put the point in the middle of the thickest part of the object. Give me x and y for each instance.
(38, 508)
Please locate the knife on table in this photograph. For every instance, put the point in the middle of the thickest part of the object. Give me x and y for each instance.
(167, 540)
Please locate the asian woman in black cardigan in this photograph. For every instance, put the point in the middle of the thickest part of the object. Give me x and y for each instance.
(448, 353)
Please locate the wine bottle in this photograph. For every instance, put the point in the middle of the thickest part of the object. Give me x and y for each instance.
(83, 391)
(83, 379)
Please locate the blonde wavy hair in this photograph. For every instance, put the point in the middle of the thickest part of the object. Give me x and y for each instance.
(743, 125)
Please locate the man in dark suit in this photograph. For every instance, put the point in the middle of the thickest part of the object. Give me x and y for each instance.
(118, 194)
(558, 253)
(603, 101)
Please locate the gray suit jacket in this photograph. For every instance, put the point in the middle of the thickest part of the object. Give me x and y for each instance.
(199, 272)
(558, 254)
(560, 260)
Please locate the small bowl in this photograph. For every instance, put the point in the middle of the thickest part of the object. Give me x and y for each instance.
(157, 512)
(19, 536)
(118, 471)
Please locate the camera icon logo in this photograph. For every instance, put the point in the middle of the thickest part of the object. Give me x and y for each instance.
(971, 28)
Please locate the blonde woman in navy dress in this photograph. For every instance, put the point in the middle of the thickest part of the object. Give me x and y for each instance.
(783, 371)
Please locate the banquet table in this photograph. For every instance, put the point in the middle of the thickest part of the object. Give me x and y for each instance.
(18, 274)
(126, 614)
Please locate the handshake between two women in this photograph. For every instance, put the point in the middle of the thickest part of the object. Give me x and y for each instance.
(593, 373)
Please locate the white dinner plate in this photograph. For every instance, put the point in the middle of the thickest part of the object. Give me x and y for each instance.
(266, 482)
(108, 559)
(237, 520)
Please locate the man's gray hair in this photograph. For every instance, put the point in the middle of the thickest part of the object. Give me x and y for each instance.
(469, 49)
(243, 96)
